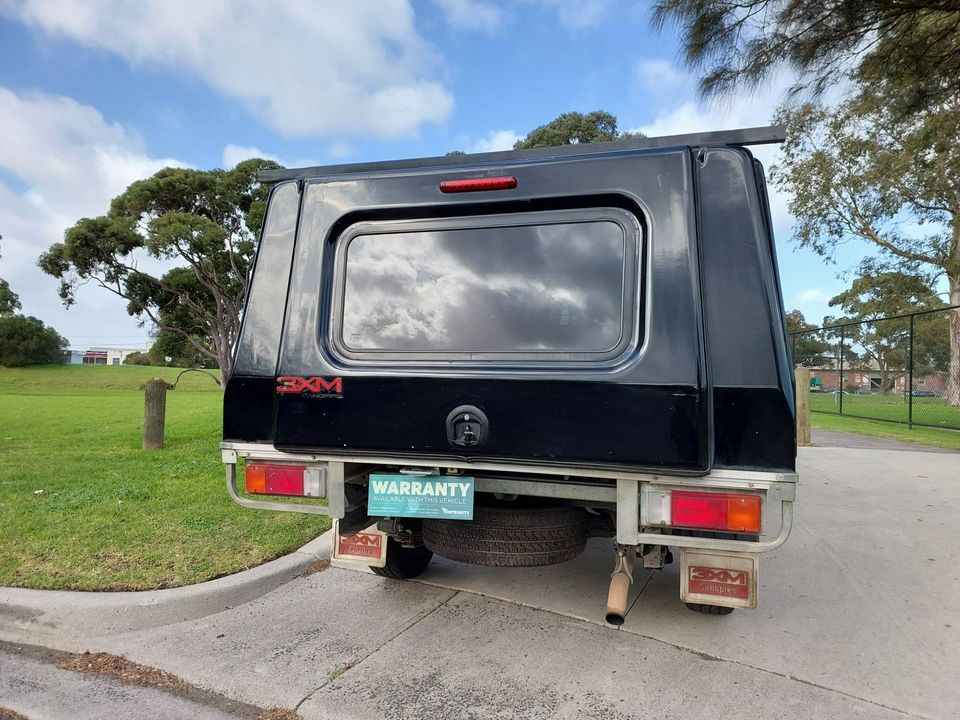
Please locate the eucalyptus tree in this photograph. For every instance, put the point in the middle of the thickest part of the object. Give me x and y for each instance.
(201, 225)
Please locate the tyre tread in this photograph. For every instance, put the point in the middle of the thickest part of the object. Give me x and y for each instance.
(710, 609)
(510, 537)
(403, 563)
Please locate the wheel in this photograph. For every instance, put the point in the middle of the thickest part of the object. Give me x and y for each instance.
(403, 563)
(710, 609)
(511, 536)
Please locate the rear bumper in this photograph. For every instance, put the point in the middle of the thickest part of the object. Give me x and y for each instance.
(623, 492)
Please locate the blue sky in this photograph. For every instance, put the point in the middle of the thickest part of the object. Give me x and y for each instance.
(94, 95)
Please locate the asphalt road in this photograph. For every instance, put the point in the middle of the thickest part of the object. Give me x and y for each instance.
(859, 617)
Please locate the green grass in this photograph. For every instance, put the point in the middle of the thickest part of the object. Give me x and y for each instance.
(934, 437)
(82, 507)
(927, 410)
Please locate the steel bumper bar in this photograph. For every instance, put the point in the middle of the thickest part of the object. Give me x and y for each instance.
(776, 488)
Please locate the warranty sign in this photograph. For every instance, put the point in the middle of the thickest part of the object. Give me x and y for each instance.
(440, 497)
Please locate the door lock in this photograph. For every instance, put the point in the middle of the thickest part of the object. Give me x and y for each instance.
(467, 427)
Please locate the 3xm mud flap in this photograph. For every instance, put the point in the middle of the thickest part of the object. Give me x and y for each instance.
(367, 547)
(729, 579)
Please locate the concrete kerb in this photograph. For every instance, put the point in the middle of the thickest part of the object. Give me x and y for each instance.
(56, 618)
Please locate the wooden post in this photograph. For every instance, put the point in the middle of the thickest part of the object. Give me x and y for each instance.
(154, 413)
(802, 387)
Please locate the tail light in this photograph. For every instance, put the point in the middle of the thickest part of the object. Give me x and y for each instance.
(730, 512)
(276, 479)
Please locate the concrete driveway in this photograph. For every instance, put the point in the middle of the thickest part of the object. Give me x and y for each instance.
(859, 617)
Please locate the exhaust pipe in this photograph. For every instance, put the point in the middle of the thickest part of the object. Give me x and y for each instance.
(620, 581)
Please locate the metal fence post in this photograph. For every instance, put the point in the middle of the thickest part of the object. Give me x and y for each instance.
(910, 379)
(840, 376)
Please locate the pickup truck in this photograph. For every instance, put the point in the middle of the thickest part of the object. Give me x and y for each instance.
(495, 357)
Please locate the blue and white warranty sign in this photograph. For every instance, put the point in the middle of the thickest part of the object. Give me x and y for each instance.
(441, 497)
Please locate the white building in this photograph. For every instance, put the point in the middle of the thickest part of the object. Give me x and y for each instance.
(101, 355)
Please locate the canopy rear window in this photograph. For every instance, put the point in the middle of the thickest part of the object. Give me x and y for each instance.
(559, 285)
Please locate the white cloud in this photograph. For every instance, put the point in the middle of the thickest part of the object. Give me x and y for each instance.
(813, 302)
(234, 154)
(471, 14)
(659, 79)
(495, 140)
(346, 68)
(491, 16)
(63, 161)
(812, 295)
(339, 150)
(578, 14)
(689, 116)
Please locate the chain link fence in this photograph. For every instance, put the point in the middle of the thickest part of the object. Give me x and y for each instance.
(903, 369)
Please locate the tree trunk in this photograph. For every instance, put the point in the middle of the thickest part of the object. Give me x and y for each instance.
(884, 381)
(225, 360)
(953, 373)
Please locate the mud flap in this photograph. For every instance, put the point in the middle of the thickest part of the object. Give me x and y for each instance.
(727, 579)
(367, 548)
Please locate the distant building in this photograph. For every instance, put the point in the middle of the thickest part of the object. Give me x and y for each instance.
(827, 379)
(100, 355)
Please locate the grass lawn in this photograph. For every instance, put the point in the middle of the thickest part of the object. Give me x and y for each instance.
(925, 436)
(927, 410)
(82, 507)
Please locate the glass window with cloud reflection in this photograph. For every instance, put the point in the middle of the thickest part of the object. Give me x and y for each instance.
(538, 288)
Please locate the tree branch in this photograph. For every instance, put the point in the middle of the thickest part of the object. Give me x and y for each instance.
(155, 318)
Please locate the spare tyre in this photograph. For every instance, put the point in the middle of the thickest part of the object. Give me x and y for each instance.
(510, 536)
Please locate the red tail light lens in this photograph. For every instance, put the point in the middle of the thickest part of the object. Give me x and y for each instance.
(715, 511)
(478, 184)
(698, 510)
(263, 479)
